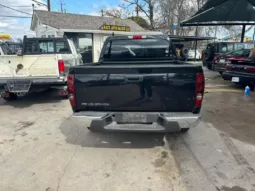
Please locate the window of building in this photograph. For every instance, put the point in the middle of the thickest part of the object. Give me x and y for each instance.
(85, 46)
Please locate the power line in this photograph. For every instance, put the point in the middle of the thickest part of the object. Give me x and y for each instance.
(14, 16)
(14, 9)
(22, 6)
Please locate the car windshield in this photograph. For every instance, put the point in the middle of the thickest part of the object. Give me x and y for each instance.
(141, 49)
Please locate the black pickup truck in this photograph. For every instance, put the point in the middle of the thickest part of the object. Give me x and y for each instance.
(137, 85)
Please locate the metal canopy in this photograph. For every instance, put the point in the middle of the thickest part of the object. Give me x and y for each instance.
(224, 12)
(175, 38)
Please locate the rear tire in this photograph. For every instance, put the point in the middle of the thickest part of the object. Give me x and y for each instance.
(209, 66)
(185, 130)
(12, 97)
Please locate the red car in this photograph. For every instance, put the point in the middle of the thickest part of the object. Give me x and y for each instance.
(241, 72)
(230, 57)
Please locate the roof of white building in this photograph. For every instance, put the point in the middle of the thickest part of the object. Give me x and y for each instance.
(79, 22)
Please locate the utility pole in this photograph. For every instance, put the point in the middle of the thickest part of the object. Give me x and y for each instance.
(137, 11)
(102, 11)
(61, 5)
(48, 3)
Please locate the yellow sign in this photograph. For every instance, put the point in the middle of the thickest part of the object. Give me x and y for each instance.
(5, 37)
(115, 28)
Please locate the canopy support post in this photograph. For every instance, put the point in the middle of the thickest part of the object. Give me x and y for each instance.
(243, 33)
(196, 44)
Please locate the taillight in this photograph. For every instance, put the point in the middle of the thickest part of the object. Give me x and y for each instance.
(200, 87)
(215, 58)
(203, 53)
(228, 67)
(137, 37)
(71, 90)
(61, 67)
(251, 69)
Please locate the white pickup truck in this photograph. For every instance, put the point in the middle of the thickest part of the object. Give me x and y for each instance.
(43, 63)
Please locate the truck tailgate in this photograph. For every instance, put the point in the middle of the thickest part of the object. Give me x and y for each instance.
(29, 66)
(163, 88)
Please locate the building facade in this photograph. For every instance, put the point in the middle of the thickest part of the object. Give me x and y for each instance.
(87, 32)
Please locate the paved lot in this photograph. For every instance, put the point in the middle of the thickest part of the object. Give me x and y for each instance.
(42, 148)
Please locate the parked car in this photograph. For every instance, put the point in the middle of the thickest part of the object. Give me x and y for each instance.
(137, 83)
(235, 56)
(214, 50)
(191, 55)
(42, 64)
(241, 72)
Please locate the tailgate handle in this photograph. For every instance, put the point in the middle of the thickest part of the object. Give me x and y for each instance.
(133, 78)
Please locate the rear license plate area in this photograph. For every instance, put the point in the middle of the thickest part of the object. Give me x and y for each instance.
(235, 79)
(131, 118)
(19, 85)
(222, 61)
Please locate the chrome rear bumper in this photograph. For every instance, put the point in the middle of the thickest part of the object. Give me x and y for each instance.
(139, 121)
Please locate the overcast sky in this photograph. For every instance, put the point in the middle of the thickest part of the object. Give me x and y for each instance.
(18, 27)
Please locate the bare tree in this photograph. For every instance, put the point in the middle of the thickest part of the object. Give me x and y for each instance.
(174, 12)
(113, 12)
(145, 6)
(117, 12)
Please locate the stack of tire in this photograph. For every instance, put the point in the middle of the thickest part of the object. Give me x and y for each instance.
(184, 53)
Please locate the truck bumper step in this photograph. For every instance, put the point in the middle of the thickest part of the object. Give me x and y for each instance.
(141, 122)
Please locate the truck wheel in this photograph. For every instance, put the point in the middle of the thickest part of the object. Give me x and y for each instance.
(204, 63)
(10, 96)
(209, 66)
(185, 130)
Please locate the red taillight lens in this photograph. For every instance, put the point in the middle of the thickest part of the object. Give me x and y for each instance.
(215, 58)
(228, 67)
(200, 87)
(203, 53)
(71, 90)
(61, 66)
(250, 69)
(137, 37)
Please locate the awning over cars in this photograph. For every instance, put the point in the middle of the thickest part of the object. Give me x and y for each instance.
(224, 12)
(176, 38)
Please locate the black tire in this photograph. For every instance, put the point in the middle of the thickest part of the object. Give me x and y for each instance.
(209, 66)
(12, 97)
(185, 130)
(204, 63)
(184, 52)
(220, 73)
